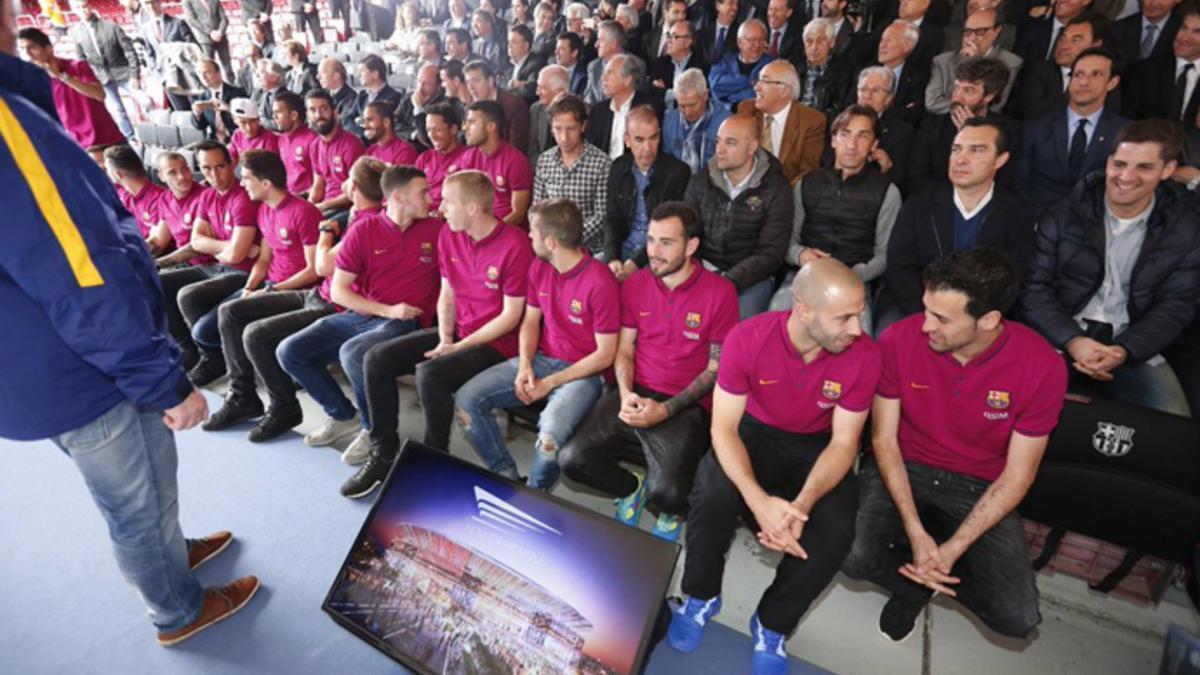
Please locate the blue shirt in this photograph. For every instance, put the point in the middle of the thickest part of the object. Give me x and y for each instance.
(641, 220)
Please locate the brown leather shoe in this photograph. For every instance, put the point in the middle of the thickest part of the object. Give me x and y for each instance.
(219, 604)
(202, 550)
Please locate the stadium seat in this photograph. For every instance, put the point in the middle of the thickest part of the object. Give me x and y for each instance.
(160, 116)
(144, 133)
(166, 136)
(189, 135)
(180, 118)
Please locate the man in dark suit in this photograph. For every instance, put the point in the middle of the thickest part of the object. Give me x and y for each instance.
(566, 54)
(719, 36)
(681, 55)
(1147, 33)
(481, 82)
(655, 44)
(977, 82)
(524, 64)
(156, 29)
(1060, 148)
(1037, 38)
(606, 121)
(826, 83)
(372, 75)
(1167, 86)
(784, 39)
(895, 135)
(210, 109)
(910, 77)
(1043, 85)
(545, 37)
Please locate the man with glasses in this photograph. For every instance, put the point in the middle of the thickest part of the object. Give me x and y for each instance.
(679, 56)
(690, 130)
(978, 39)
(895, 135)
(791, 131)
(732, 78)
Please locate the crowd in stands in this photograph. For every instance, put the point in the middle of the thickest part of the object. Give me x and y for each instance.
(686, 171)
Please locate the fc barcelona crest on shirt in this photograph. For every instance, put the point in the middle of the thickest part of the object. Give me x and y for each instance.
(831, 390)
(1112, 440)
(338, 165)
(299, 153)
(283, 233)
(692, 320)
(493, 273)
(576, 307)
(427, 247)
(998, 399)
(499, 181)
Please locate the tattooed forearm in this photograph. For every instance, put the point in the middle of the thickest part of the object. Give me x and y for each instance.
(700, 387)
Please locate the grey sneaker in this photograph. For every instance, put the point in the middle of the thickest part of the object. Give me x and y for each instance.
(331, 431)
(359, 449)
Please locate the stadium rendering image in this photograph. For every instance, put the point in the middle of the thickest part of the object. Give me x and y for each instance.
(457, 611)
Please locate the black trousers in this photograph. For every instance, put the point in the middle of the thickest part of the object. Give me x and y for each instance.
(670, 451)
(437, 380)
(262, 338)
(311, 21)
(781, 462)
(246, 326)
(997, 580)
(175, 279)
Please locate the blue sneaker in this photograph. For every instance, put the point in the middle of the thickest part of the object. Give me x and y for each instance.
(770, 657)
(629, 509)
(667, 527)
(687, 622)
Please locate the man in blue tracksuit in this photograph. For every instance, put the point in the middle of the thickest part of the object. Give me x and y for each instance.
(87, 359)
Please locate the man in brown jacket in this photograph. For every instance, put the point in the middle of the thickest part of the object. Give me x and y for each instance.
(791, 131)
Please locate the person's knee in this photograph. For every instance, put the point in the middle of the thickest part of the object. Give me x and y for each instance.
(862, 563)
(288, 353)
(227, 313)
(1019, 623)
(257, 338)
(670, 496)
(547, 447)
(571, 460)
(352, 355)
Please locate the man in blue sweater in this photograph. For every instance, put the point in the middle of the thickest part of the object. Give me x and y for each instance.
(89, 364)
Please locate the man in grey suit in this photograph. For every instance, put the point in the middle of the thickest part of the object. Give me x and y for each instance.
(552, 83)
(978, 39)
(110, 53)
(209, 24)
(610, 41)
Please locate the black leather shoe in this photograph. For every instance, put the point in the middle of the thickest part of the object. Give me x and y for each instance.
(369, 476)
(207, 370)
(275, 422)
(235, 410)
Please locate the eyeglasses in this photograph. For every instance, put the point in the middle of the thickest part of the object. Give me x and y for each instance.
(977, 32)
(763, 80)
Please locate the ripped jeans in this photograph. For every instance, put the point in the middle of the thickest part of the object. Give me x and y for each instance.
(566, 407)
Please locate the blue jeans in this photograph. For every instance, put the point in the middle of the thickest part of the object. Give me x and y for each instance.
(116, 107)
(566, 407)
(128, 461)
(1152, 386)
(345, 338)
(755, 298)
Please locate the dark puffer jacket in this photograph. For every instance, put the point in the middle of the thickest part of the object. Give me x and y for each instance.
(745, 238)
(1068, 268)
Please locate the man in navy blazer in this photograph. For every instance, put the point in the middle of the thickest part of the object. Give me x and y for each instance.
(1148, 33)
(1050, 164)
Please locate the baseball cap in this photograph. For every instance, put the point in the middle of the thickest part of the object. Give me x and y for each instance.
(243, 107)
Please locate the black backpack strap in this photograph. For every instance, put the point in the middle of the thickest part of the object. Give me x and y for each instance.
(1114, 577)
(1053, 541)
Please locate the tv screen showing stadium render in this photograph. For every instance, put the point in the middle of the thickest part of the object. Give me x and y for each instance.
(457, 570)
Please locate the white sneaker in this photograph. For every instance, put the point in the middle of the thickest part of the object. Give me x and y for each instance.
(359, 449)
(331, 431)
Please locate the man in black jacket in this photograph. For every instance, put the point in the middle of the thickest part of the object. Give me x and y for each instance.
(826, 83)
(972, 211)
(1166, 85)
(638, 182)
(977, 82)
(606, 125)
(1043, 85)
(845, 212)
(746, 208)
(1114, 277)
(1147, 33)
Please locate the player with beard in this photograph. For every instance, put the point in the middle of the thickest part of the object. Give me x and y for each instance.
(334, 154)
(966, 404)
(386, 146)
(674, 316)
(793, 392)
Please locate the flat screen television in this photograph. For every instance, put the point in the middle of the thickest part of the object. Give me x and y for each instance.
(457, 570)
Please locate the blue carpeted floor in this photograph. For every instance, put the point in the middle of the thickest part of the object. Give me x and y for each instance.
(66, 608)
